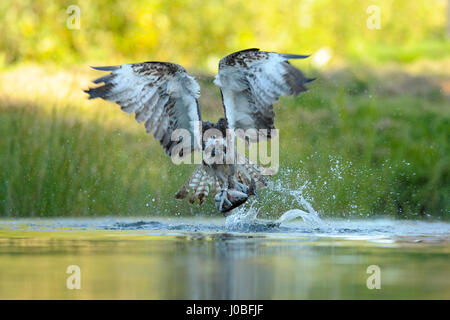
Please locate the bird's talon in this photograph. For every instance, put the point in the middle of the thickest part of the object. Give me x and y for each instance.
(224, 199)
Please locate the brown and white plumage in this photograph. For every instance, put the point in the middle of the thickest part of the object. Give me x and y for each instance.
(161, 94)
(251, 81)
(165, 97)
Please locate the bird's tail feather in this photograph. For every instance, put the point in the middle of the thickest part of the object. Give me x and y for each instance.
(198, 183)
(248, 171)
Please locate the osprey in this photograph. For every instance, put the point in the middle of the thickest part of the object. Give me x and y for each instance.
(165, 97)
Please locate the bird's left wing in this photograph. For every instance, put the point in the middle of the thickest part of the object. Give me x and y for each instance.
(251, 81)
(161, 94)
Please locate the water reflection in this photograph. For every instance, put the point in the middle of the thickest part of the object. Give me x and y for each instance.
(218, 266)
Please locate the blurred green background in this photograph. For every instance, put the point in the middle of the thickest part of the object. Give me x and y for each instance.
(369, 138)
(197, 33)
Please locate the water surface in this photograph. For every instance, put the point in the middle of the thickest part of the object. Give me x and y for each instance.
(203, 258)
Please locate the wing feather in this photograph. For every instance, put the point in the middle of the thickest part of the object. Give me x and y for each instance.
(251, 81)
(161, 94)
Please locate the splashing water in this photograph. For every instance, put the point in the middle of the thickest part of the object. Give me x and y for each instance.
(310, 219)
(241, 218)
(296, 197)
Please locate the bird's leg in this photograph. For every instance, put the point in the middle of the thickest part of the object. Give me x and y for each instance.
(237, 185)
(241, 187)
(230, 181)
(223, 196)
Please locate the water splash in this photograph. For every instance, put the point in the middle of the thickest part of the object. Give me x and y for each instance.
(296, 197)
(308, 218)
(241, 216)
(246, 216)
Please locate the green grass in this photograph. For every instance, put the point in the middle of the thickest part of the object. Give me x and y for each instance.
(375, 153)
(358, 144)
(404, 53)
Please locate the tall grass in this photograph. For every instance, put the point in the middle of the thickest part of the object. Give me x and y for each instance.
(358, 143)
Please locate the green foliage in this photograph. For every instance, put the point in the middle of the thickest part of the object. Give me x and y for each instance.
(357, 147)
(367, 153)
(197, 33)
(57, 164)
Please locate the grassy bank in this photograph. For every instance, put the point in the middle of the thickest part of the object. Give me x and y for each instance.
(358, 143)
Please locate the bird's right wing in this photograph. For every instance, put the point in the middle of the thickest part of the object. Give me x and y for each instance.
(161, 94)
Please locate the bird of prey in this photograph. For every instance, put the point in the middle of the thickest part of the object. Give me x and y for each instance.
(165, 97)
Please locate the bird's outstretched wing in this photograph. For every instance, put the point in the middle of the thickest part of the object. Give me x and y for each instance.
(161, 94)
(251, 81)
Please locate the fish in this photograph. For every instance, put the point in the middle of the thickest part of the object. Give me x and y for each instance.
(235, 197)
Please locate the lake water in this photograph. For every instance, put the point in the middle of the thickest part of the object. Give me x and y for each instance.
(204, 258)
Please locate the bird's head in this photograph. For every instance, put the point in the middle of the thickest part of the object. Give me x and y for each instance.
(215, 150)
